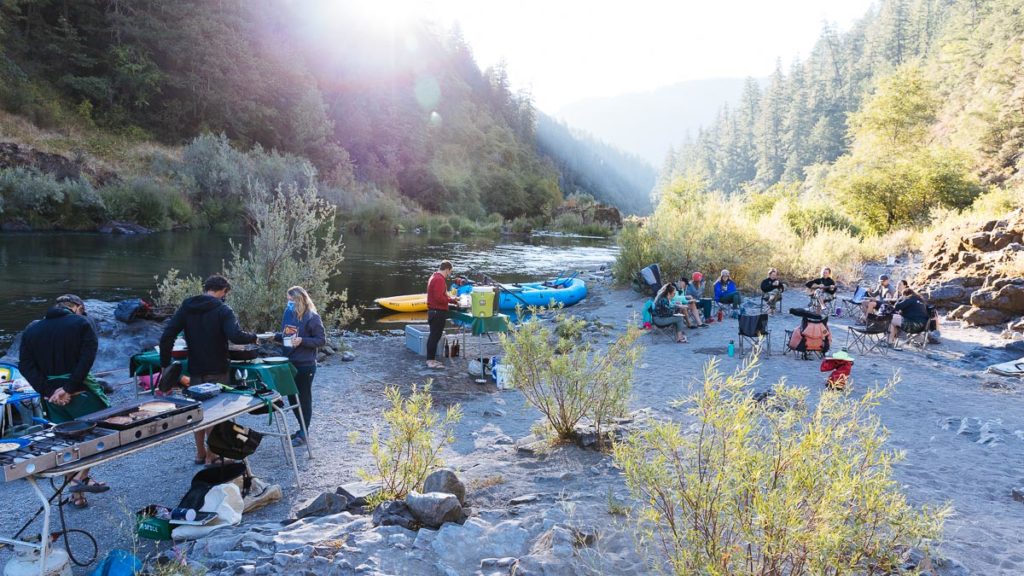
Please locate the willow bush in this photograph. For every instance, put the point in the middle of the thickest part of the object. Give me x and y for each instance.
(774, 487)
(566, 378)
(411, 450)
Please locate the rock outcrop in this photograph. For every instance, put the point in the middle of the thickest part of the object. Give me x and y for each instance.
(60, 167)
(966, 272)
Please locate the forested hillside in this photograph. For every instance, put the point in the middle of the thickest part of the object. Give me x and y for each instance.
(885, 137)
(409, 114)
(589, 166)
(955, 85)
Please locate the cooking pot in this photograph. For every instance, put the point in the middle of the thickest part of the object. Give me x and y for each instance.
(243, 351)
(73, 429)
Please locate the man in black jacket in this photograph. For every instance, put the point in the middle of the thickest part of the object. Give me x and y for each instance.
(56, 355)
(209, 324)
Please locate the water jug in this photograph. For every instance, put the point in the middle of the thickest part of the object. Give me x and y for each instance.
(732, 349)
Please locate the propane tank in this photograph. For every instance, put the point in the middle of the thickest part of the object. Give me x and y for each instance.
(25, 562)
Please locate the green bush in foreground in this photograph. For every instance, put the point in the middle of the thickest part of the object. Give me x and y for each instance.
(567, 379)
(411, 451)
(773, 488)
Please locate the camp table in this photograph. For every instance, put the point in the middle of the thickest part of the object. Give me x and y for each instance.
(219, 409)
(480, 328)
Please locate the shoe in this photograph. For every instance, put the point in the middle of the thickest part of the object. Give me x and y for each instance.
(298, 439)
(704, 325)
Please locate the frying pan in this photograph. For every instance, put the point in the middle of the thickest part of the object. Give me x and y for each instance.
(243, 351)
(73, 429)
(170, 377)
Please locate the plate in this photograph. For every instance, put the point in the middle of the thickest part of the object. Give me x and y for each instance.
(12, 444)
(265, 335)
(275, 359)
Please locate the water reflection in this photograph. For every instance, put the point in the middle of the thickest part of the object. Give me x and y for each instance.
(39, 267)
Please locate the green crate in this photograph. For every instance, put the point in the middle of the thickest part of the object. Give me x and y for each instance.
(149, 525)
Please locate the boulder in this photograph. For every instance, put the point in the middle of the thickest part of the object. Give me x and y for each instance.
(325, 504)
(433, 509)
(1009, 298)
(946, 294)
(985, 317)
(979, 241)
(958, 312)
(358, 492)
(394, 513)
(447, 482)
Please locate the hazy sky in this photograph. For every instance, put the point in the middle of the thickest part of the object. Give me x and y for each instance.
(568, 50)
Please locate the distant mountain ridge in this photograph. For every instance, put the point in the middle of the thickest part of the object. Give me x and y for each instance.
(648, 124)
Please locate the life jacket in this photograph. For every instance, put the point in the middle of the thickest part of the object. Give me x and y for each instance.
(811, 337)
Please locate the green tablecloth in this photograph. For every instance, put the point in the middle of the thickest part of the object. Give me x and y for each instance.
(478, 326)
(280, 377)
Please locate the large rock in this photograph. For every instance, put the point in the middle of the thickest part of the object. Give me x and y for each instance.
(1009, 298)
(447, 482)
(466, 545)
(394, 513)
(324, 505)
(946, 294)
(985, 317)
(434, 508)
(358, 492)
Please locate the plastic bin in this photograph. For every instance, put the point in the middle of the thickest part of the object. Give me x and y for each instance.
(416, 340)
(483, 302)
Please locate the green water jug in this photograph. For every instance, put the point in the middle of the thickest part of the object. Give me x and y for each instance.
(482, 305)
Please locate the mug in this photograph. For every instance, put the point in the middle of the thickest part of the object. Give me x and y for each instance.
(287, 341)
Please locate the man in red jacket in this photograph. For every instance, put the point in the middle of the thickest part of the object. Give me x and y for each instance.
(437, 309)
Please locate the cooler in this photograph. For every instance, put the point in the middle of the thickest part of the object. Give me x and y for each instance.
(484, 302)
(416, 340)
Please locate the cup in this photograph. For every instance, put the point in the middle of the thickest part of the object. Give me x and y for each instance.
(287, 341)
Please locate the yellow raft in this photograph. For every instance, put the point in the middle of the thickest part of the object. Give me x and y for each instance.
(407, 303)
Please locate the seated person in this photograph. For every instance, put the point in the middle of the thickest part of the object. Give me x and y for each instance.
(726, 292)
(879, 295)
(689, 302)
(664, 313)
(823, 289)
(772, 288)
(911, 316)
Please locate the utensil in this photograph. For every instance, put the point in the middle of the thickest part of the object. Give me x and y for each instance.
(73, 429)
(265, 335)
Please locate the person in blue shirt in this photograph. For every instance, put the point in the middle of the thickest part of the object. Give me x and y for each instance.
(726, 292)
(302, 328)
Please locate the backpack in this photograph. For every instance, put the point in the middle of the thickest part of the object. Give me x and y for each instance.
(233, 441)
(129, 310)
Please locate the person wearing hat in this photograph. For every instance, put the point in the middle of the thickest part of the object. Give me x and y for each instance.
(841, 364)
(726, 292)
(875, 298)
(695, 292)
(55, 357)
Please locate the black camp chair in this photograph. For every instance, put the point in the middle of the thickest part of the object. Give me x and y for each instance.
(860, 295)
(872, 336)
(753, 328)
(648, 280)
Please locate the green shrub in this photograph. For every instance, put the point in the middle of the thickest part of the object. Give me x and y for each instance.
(144, 201)
(568, 379)
(172, 290)
(521, 225)
(412, 448)
(446, 229)
(294, 242)
(45, 202)
(773, 487)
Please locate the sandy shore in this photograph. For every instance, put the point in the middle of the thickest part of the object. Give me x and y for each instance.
(962, 432)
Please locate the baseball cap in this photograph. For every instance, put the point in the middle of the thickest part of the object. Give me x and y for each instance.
(70, 299)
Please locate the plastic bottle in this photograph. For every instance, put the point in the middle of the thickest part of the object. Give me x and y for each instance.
(732, 348)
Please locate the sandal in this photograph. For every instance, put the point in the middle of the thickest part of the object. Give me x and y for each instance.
(78, 500)
(88, 485)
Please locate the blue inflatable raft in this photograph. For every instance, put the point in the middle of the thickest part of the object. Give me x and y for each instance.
(564, 291)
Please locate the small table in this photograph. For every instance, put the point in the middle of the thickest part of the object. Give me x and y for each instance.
(478, 326)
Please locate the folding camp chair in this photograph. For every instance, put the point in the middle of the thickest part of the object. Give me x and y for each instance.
(648, 279)
(828, 304)
(766, 307)
(754, 328)
(656, 330)
(872, 336)
(795, 340)
(854, 303)
(917, 338)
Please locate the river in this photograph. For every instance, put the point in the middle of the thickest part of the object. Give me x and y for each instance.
(39, 267)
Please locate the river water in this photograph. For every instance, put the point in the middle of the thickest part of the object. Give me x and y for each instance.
(39, 267)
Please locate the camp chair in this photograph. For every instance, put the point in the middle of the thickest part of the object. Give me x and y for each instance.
(765, 307)
(754, 328)
(829, 307)
(648, 279)
(654, 329)
(853, 304)
(917, 338)
(872, 336)
(813, 335)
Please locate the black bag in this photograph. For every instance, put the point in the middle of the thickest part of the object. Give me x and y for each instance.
(207, 478)
(233, 441)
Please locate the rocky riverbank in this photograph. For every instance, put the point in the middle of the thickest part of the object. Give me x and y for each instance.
(533, 509)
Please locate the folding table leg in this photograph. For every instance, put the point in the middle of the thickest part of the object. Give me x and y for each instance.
(286, 442)
(305, 432)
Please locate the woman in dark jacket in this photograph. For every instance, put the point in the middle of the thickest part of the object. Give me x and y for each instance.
(664, 313)
(302, 332)
(911, 316)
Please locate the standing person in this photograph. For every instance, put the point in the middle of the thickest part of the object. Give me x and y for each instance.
(823, 289)
(772, 288)
(209, 324)
(56, 355)
(726, 292)
(302, 323)
(437, 309)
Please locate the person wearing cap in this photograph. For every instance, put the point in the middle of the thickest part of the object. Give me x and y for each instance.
(726, 292)
(695, 291)
(437, 309)
(55, 357)
(875, 298)
(688, 302)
